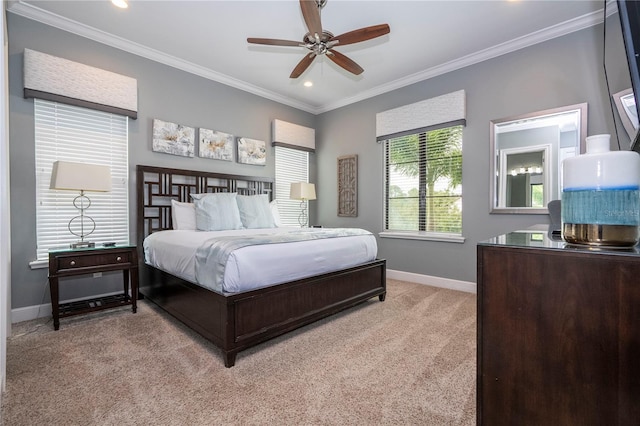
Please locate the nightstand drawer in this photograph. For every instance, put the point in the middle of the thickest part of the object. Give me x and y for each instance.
(90, 260)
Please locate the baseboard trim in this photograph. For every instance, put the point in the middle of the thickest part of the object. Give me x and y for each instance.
(466, 286)
(30, 312)
(40, 311)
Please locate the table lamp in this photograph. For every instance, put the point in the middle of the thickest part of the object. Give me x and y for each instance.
(81, 177)
(304, 192)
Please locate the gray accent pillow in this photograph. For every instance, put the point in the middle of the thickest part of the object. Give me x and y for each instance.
(217, 211)
(255, 211)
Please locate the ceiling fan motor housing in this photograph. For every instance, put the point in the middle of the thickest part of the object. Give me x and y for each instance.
(319, 47)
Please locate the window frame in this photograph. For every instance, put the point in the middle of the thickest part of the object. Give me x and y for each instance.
(419, 234)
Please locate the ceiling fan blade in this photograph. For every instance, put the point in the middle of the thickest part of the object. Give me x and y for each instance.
(303, 65)
(345, 62)
(361, 35)
(274, 42)
(311, 15)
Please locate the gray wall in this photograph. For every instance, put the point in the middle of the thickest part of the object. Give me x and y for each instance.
(563, 71)
(163, 92)
(560, 72)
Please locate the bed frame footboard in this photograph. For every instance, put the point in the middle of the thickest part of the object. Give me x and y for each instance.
(235, 322)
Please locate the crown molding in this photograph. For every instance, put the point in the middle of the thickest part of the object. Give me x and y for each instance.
(37, 14)
(558, 30)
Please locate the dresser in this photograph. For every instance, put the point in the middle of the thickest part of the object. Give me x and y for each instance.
(558, 333)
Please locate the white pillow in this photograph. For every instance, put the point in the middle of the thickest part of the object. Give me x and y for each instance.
(217, 211)
(183, 215)
(275, 213)
(255, 211)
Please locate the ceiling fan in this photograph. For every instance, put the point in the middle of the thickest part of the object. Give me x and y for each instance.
(321, 42)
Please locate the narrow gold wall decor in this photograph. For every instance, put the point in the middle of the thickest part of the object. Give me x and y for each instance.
(348, 186)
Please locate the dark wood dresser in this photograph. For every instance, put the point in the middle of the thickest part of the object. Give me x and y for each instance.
(558, 333)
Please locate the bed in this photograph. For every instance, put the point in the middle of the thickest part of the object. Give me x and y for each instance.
(235, 321)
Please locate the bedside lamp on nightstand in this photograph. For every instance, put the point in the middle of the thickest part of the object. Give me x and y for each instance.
(81, 177)
(304, 192)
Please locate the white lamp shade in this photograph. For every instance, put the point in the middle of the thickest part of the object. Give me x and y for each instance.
(80, 177)
(302, 191)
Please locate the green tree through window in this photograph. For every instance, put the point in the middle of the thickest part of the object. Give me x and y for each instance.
(537, 195)
(423, 189)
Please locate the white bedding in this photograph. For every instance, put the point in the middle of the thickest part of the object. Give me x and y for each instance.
(261, 265)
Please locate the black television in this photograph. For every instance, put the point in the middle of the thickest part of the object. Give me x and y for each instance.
(629, 13)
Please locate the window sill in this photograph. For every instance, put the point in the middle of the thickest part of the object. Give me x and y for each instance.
(421, 235)
(38, 264)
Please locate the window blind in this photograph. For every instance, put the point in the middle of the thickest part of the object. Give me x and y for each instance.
(71, 133)
(292, 165)
(423, 181)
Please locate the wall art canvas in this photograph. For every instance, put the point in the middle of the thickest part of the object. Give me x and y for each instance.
(172, 138)
(252, 151)
(216, 145)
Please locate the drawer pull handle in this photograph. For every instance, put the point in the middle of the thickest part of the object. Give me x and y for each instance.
(119, 259)
(72, 263)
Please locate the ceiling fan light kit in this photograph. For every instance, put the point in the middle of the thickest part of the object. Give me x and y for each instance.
(321, 42)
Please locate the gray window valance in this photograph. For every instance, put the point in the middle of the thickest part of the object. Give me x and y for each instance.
(55, 79)
(294, 136)
(448, 108)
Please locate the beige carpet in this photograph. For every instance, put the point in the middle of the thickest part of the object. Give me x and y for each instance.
(408, 360)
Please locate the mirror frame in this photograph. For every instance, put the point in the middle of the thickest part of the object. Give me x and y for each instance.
(493, 163)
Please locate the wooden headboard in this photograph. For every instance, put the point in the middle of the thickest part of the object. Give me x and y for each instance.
(157, 186)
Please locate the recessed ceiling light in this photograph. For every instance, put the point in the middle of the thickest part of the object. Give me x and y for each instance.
(308, 83)
(120, 3)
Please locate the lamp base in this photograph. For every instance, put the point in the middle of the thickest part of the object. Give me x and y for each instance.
(303, 218)
(83, 244)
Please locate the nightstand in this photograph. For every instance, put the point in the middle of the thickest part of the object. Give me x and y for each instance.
(67, 262)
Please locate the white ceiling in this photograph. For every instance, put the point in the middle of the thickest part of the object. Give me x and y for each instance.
(208, 38)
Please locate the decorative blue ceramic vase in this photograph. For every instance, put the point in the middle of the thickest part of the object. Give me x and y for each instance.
(601, 196)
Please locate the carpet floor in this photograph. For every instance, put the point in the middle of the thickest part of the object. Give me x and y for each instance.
(409, 360)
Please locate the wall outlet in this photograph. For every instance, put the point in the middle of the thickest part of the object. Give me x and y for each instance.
(97, 274)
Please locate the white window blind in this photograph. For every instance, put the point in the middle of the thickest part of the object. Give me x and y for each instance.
(70, 133)
(292, 165)
(423, 181)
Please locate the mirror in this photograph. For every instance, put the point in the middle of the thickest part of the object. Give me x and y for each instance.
(621, 74)
(626, 106)
(526, 157)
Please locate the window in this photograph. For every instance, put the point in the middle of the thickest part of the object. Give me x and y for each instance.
(70, 133)
(423, 182)
(537, 195)
(292, 165)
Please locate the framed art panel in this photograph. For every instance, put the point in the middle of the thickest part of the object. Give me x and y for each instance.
(215, 145)
(252, 151)
(172, 138)
(348, 186)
